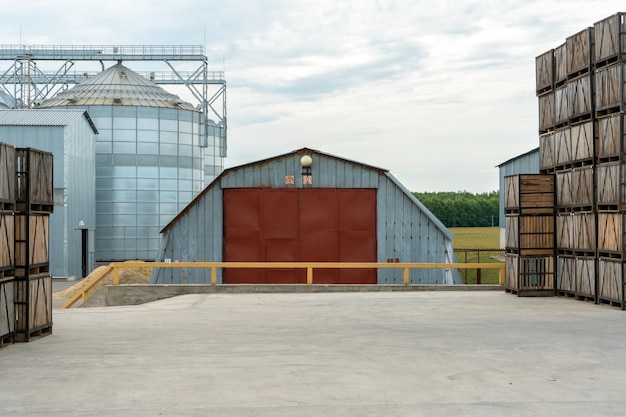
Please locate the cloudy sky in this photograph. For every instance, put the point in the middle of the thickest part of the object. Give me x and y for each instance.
(438, 92)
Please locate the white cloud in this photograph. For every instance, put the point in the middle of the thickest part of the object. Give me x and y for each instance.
(437, 92)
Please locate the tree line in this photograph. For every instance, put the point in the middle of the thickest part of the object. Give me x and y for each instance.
(463, 209)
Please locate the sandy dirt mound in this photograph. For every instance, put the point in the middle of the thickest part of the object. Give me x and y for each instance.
(127, 276)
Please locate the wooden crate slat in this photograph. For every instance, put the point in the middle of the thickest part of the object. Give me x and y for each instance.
(585, 277)
(610, 232)
(561, 106)
(544, 70)
(546, 151)
(608, 184)
(560, 63)
(609, 38)
(579, 97)
(566, 267)
(33, 298)
(580, 51)
(7, 173)
(610, 279)
(7, 233)
(582, 138)
(609, 88)
(547, 107)
(610, 135)
(7, 308)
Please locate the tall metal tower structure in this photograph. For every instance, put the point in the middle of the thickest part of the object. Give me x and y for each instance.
(29, 84)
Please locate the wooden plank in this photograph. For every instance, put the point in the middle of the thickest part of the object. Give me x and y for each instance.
(609, 84)
(7, 308)
(610, 232)
(582, 187)
(511, 191)
(582, 139)
(576, 232)
(585, 277)
(563, 146)
(584, 231)
(7, 176)
(563, 189)
(561, 106)
(580, 51)
(544, 70)
(546, 152)
(512, 232)
(31, 240)
(565, 273)
(34, 180)
(511, 271)
(547, 108)
(564, 232)
(7, 237)
(33, 298)
(608, 184)
(610, 280)
(560, 63)
(609, 39)
(536, 273)
(610, 134)
(579, 97)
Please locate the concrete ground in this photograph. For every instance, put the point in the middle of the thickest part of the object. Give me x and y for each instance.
(324, 354)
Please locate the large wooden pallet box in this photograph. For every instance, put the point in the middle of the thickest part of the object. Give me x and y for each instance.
(7, 310)
(34, 189)
(611, 281)
(529, 276)
(33, 307)
(580, 52)
(529, 194)
(544, 69)
(31, 244)
(7, 178)
(7, 242)
(610, 40)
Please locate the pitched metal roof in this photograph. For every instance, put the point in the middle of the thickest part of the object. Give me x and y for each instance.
(43, 117)
(117, 86)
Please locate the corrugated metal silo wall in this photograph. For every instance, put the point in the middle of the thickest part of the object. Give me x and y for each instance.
(72, 171)
(403, 230)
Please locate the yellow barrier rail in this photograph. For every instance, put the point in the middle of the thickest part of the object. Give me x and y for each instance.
(309, 266)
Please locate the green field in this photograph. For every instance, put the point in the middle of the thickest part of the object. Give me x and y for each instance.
(477, 238)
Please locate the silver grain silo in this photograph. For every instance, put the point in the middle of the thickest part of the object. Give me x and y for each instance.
(151, 158)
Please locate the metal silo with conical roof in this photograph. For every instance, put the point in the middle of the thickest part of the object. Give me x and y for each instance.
(151, 158)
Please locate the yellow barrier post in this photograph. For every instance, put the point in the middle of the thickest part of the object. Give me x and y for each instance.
(214, 275)
(309, 275)
(501, 276)
(407, 277)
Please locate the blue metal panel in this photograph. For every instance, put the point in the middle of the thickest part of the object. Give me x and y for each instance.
(69, 135)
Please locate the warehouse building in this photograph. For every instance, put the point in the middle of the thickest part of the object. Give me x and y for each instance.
(306, 206)
(70, 136)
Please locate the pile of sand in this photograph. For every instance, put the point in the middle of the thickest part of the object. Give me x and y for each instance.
(127, 276)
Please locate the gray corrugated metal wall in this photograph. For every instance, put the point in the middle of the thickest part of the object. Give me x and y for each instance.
(405, 229)
(73, 182)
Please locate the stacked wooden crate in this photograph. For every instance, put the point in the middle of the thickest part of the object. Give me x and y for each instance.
(610, 99)
(33, 282)
(582, 143)
(529, 257)
(567, 150)
(7, 262)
